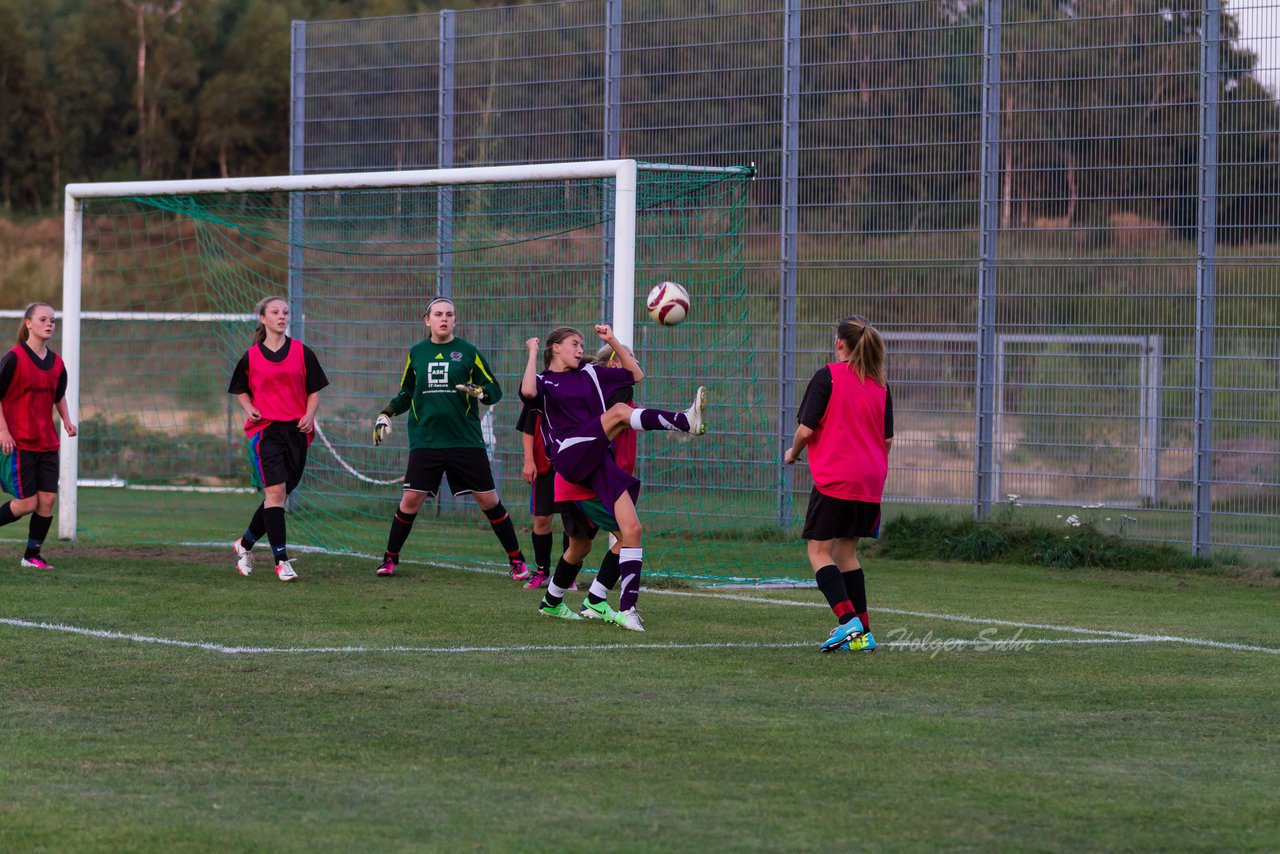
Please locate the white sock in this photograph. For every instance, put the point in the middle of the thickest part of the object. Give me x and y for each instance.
(554, 590)
(635, 419)
(598, 589)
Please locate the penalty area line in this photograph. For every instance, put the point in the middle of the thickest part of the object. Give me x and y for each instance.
(933, 646)
(990, 621)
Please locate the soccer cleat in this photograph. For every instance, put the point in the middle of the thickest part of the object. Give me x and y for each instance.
(36, 562)
(695, 412)
(472, 389)
(244, 559)
(539, 578)
(387, 567)
(865, 642)
(841, 635)
(630, 619)
(600, 611)
(284, 571)
(519, 571)
(560, 611)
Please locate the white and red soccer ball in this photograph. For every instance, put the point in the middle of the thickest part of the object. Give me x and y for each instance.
(668, 303)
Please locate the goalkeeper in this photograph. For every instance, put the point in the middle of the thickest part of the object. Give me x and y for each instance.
(444, 382)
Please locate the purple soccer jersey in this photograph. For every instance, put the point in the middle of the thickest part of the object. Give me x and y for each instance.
(571, 400)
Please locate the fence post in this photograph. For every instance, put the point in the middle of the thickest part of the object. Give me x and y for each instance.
(297, 166)
(985, 474)
(1206, 275)
(444, 154)
(790, 205)
(612, 133)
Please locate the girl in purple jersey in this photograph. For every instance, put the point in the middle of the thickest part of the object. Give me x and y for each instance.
(578, 426)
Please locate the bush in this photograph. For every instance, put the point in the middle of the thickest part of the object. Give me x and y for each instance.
(938, 537)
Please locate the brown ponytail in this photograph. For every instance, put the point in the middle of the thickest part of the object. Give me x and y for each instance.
(865, 347)
(260, 331)
(23, 332)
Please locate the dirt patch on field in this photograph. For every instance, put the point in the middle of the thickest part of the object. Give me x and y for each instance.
(201, 556)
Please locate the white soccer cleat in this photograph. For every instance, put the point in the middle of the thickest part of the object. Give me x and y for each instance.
(244, 559)
(630, 619)
(695, 412)
(284, 571)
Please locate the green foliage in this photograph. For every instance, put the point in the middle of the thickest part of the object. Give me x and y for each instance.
(927, 536)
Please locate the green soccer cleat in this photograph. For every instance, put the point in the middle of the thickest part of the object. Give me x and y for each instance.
(560, 611)
(600, 611)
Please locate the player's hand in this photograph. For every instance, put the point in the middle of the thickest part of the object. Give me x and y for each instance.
(604, 331)
(476, 391)
(253, 414)
(307, 423)
(381, 428)
(70, 428)
(790, 457)
(6, 442)
(531, 345)
(529, 472)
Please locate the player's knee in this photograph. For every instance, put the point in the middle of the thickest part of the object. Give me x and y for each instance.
(487, 500)
(411, 502)
(23, 506)
(631, 531)
(542, 525)
(44, 503)
(578, 550)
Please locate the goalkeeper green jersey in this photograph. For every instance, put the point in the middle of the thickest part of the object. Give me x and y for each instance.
(440, 416)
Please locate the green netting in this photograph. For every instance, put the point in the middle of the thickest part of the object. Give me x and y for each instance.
(359, 266)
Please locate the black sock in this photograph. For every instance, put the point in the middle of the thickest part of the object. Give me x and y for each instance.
(505, 530)
(38, 530)
(401, 525)
(542, 550)
(253, 533)
(273, 518)
(831, 584)
(561, 579)
(6, 513)
(855, 584)
(607, 576)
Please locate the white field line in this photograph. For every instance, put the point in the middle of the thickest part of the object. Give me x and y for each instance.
(604, 647)
(1099, 636)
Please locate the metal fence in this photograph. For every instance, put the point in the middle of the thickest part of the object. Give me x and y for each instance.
(1061, 213)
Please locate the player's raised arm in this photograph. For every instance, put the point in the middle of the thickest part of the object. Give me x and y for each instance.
(626, 358)
(529, 382)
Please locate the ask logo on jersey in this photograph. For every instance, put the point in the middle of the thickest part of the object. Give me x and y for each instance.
(438, 376)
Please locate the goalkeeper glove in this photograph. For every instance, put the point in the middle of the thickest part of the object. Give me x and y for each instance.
(472, 389)
(381, 428)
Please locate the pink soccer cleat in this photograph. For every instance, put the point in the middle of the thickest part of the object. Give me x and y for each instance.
(36, 562)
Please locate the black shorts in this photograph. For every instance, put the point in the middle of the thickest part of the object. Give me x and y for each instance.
(576, 524)
(467, 469)
(278, 455)
(542, 494)
(840, 518)
(24, 473)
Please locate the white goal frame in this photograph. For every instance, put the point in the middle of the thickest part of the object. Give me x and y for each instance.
(623, 172)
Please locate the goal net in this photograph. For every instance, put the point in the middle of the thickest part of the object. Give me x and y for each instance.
(161, 283)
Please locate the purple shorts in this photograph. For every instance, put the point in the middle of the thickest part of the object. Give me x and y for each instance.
(586, 458)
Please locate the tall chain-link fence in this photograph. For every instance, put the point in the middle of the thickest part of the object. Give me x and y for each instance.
(1062, 214)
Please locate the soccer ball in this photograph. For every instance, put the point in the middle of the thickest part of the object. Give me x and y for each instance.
(668, 303)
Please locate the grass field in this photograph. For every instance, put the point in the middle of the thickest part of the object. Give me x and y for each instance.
(153, 700)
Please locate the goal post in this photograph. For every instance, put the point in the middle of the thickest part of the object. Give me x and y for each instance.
(177, 266)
